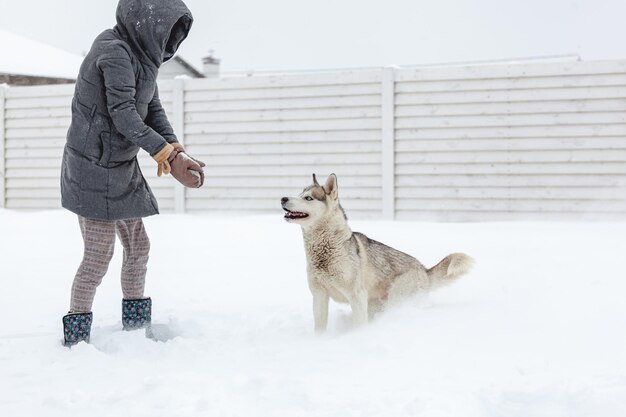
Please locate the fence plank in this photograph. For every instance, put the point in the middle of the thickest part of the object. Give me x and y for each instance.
(606, 194)
(42, 91)
(178, 120)
(574, 168)
(512, 144)
(509, 132)
(341, 90)
(388, 143)
(514, 157)
(326, 136)
(295, 183)
(38, 113)
(259, 172)
(37, 103)
(546, 119)
(289, 148)
(505, 96)
(515, 83)
(471, 72)
(3, 185)
(533, 205)
(489, 180)
(279, 115)
(284, 103)
(287, 126)
(281, 160)
(285, 80)
(521, 107)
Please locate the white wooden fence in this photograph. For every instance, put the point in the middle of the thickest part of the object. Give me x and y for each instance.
(472, 143)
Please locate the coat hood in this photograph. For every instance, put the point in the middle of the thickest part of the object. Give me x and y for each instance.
(153, 28)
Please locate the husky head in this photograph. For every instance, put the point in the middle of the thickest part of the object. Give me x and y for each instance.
(314, 203)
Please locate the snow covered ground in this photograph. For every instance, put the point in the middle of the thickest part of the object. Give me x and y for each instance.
(537, 329)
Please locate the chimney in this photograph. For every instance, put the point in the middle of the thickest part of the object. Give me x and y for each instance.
(211, 66)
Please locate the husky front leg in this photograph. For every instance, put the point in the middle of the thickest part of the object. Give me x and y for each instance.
(358, 303)
(320, 310)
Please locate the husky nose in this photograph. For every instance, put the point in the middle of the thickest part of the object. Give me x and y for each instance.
(284, 200)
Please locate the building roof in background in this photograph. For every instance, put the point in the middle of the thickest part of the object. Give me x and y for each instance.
(195, 73)
(23, 56)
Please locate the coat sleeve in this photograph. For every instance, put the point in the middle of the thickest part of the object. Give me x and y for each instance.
(119, 84)
(157, 119)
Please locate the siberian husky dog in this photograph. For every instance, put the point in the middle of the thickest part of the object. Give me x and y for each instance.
(351, 268)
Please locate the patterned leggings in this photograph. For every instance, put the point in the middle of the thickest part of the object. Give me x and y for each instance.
(99, 238)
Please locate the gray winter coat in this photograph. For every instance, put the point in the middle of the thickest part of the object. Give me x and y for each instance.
(116, 110)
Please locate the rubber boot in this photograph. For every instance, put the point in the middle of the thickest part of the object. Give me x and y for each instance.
(136, 314)
(76, 328)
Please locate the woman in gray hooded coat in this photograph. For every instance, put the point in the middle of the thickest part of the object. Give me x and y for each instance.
(116, 111)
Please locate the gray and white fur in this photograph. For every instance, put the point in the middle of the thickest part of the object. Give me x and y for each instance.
(351, 268)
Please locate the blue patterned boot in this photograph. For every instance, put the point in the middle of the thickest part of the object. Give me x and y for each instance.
(136, 314)
(76, 328)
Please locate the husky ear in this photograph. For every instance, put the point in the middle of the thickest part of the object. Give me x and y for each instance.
(315, 180)
(331, 186)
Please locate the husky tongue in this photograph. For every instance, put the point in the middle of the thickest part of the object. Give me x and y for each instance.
(295, 214)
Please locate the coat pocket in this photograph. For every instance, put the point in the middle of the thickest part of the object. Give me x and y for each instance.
(105, 147)
(90, 119)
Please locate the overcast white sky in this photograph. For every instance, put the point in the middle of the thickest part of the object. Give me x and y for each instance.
(296, 34)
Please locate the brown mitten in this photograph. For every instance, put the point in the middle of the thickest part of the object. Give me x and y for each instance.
(186, 170)
(202, 164)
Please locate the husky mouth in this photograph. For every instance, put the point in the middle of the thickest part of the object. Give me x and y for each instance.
(295, 215)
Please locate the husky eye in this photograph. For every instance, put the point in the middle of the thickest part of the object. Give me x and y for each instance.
(308, 198)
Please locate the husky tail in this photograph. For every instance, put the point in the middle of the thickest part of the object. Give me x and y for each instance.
(449, 269)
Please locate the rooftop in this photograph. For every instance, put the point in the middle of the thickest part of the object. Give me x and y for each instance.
(23, 56)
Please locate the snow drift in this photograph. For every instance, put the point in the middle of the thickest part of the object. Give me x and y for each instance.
(536, 329)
